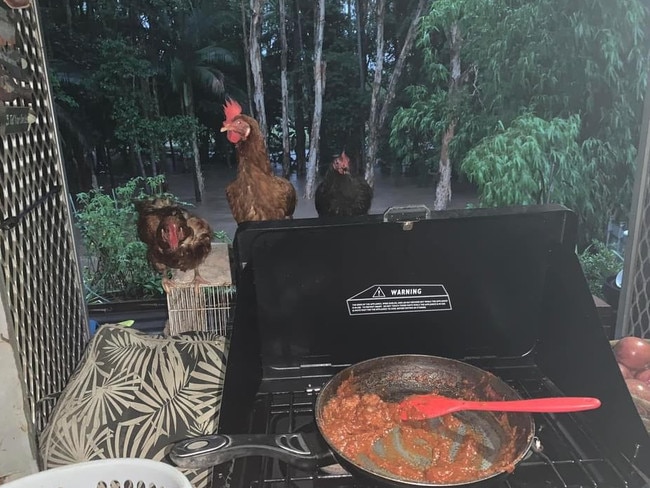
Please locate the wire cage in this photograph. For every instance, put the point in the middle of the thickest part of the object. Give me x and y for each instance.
(202, 307)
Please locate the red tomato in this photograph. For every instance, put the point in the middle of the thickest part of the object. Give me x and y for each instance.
(632, 352)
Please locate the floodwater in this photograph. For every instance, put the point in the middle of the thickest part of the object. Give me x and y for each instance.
(388, 191)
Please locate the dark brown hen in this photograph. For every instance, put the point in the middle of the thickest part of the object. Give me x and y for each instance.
(342, 194)
(256, 193)
(175, 238)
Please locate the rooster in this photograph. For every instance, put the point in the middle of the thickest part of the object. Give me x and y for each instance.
(342, 194)
(256, 193)
(175, 238)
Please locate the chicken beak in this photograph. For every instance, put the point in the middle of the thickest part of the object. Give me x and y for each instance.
(225, 128)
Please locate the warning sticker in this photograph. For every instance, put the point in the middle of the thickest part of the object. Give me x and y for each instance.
(399, 299)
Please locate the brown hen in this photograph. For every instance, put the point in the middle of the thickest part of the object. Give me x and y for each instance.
(256, 193)
(175, 238)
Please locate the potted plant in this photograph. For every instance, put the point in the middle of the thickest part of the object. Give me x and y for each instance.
(119, 281)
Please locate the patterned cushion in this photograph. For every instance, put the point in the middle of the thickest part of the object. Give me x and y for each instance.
(134, 395)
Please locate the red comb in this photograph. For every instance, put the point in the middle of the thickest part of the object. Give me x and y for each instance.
(232, 109)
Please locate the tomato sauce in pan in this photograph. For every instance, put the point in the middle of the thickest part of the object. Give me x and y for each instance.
(369, 431)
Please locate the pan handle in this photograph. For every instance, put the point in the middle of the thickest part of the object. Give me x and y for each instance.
(302, 450)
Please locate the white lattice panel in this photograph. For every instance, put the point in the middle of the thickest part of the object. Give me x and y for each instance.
(634, 304)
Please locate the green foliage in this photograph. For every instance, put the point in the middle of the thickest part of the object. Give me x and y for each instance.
(119, 78)
(59, 93)
(551, 59)
(590, 59)
(115, 259)
(416, 130)
(534, 161)
(598, 263)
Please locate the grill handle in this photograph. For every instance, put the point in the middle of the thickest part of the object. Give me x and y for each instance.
(302, 450)
(407, 215)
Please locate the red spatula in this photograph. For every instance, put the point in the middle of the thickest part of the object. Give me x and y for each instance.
(418, 407)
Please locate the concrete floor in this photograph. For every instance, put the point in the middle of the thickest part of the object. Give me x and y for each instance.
(17, 451)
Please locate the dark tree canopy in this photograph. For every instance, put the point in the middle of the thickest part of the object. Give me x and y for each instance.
(548, 90)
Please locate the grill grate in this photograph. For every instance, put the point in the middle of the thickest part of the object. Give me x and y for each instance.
(569, 458)
(42, 286)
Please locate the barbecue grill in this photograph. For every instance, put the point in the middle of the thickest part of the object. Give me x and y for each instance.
(501, 289)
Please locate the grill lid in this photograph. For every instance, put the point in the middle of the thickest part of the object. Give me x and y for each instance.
(463, 283)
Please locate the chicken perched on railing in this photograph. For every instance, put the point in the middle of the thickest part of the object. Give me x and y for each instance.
(175, 238)
(256, 193)
(341, 193)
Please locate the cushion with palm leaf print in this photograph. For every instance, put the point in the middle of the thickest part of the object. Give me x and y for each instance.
(134, 395)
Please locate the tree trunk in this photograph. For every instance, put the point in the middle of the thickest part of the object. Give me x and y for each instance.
(379, 111)
(286, 149)
(306, 94)
(256, 64)
(109, 165)
(443, 189)
(160, 147)
(184, 109)
(93, 168)
(137, 157)
(197, 174)
(301, 139)
(299, 95)
(373, 119)
(68, 17)
(249, 82)
(172, 153)
(319, 88)
(361, 58)
(407, 45)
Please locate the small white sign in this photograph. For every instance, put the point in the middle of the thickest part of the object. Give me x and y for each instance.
(381, 299)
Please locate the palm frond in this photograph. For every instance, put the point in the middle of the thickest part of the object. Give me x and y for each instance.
(209, 78)
(217, 56)
(108, 400)
(128, 352)
(73, 442)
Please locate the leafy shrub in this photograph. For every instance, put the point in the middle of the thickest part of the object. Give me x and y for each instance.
(115, 263)
(598, 262)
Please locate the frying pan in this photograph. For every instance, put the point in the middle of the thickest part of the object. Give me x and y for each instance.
(505, 437)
